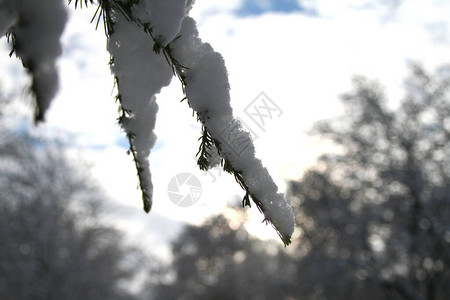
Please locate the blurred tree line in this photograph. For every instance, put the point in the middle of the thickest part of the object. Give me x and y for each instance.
(52, 242)
(373, 218)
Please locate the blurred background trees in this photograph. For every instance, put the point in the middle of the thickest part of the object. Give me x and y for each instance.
(220, 260)
(53, 244)
(373, 216)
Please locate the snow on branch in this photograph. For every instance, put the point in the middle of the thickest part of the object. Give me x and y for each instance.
(34, 28)
(140, 74)
(143, 36)
(150, 41)
(204, 77)
(207, 90)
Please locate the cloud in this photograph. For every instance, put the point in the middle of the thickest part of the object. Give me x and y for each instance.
(304, 63)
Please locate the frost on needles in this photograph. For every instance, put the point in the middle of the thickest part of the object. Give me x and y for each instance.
(149, 42)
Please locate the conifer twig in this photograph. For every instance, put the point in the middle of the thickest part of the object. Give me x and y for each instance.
(207, 142)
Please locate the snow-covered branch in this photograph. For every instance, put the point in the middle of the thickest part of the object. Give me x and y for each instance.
(35, 28)
(149, 42)
(207, 90)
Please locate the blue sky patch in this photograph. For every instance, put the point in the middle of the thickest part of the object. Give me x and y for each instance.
(123, 142)
(259, 7)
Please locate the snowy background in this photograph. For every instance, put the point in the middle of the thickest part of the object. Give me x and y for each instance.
(301, 54)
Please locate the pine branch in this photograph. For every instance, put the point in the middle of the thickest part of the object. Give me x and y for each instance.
(204, 160)
(146, 197)
(204, 150)
(11, 38)
(81, 3)
(204, 157)
(104, 11)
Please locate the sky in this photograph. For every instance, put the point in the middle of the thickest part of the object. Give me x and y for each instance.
(298, 55)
